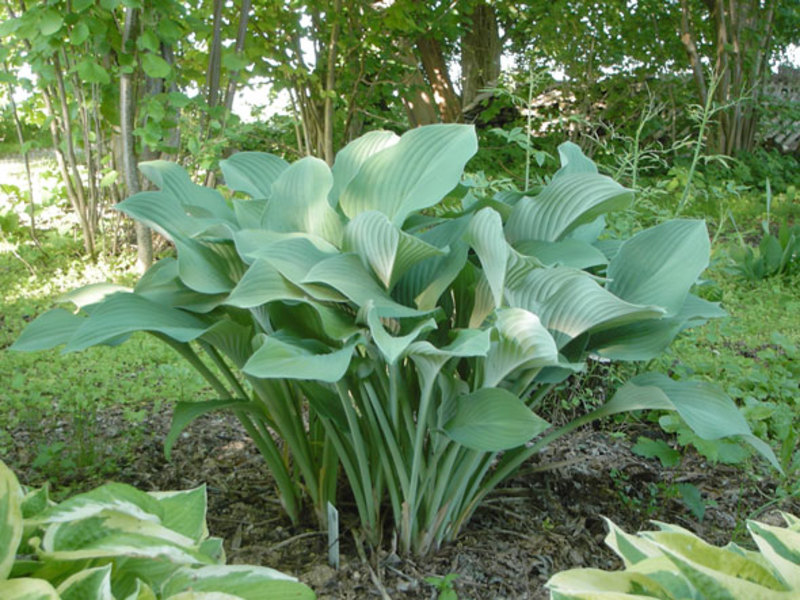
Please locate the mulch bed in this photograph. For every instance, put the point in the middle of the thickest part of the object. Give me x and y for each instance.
(546, 519)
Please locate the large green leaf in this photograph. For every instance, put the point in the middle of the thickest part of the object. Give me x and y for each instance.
(162, 284)
(708, 411)
(781, 547)
(161, 212)
(570, 303)
(565, 203)
(208, 268)
(522, 342)
(493, 419)
(413, 174)
(184, 511)
(243, 581)
(262, 283)
(659, 265)
(568, 253)
(10, 518)
(391, 346)
(198, 201)
(252, 173)
(299, 201)
(125, 313)
(427, 280)
(51, 329)
(350, 159)
(485, 235)
(278, 359)
(111, 497)
(385, 248)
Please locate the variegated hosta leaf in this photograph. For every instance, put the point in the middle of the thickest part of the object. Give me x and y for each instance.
(92, 583)
(299, 201)
(522, 342)
(26, 588)
(252, 173)
(242, 581)
(10, 518)
(413, 174)
(493, 419)
(386, 249)
(708, 411)
(184, 511)
(660, 264)
(781, 547)
(594, 584)
(350, 159)
(485, 235)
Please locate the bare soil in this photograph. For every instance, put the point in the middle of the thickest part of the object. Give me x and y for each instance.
(546, 519)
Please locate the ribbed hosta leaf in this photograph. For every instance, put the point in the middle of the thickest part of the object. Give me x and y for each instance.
(125, 313)
(493, 419)
(197, 200)
(350, 159)
(92, 293)
(573, 160)
(659, 265)
(278, 359)
(208, 268)
(426, 281)
(485, 235)
(781, 547)
(393, 346)
(568, 253)
(249, 212)
(564, 204)
(413, 174)
(522, 342)
(570, 303)
(262, 283)
(111, 497)
(299, 201)
(242, 581)
(346, 274)
(51, 329)
(709, 412)
(163, 213)
(387, 250)
(10, 519)
(162, 284)
(184, 511)
(252, 173)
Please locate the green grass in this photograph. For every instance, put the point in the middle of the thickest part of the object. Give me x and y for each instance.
(62, 398)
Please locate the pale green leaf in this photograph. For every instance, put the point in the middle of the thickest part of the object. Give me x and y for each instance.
(522, 343)
(393, 347)
(485, 235)
(413, 174)
(573, 160)
(299, 201)
(568, 253)
(91, 72)
(26, 588)
(278, 359)
(79, 33)
(493, 419)
(51, 329)
(595, 584)
(10, 518)
(162, 285)
(631, 549)
(350, 159)
(659, 265)
(781, 548)
(184, 511)
(709, 412)
(252, 173)
(50, 21)
(262, 283)
(154, 66)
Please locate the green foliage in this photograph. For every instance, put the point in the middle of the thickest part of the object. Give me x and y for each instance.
(444, 586)
(674, 563)
(118, 542)
(342, 311)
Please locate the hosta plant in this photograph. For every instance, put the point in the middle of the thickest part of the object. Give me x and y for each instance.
(117, 542)
(674, 563)
(351, 318)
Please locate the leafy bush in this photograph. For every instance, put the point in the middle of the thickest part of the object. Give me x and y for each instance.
(118, 542)
(411, 346)
(675, 563)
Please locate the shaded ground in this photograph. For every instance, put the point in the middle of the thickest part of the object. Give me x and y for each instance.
(546, 519)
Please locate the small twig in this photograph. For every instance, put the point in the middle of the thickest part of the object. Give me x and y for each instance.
(295, 538)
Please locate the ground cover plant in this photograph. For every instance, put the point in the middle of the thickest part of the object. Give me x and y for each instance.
(674, 563)
(118, 542)
(337, 311)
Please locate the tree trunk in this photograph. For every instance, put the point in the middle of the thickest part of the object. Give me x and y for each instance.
(435, 67)
(481, 48)
(144, 239)
(416, 98)
(330, 81)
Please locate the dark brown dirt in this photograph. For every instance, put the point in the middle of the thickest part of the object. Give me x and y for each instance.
(546, 519)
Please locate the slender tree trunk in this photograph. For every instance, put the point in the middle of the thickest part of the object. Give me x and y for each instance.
(144, 239)
(481, 48)
(330, 81)
(241, 35)
(688, 38)
(25, 157)
(416, 97)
